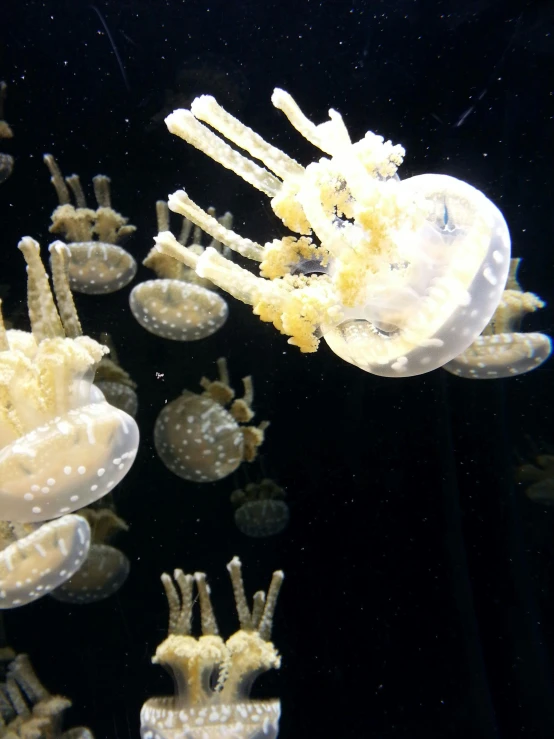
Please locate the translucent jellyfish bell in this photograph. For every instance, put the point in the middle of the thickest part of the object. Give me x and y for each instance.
(115, 383)
(42, 560)
(214, 677)
(6, 160)
(406, 274)
(61, 445)
(198, 439)
(97, 266)
(260, 509)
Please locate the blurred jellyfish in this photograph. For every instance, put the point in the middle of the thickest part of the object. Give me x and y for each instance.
(199, 439)
(105, 569)
(97, 265)
(213, 677)
(114, 382)
(29, 711)
(539, 477)
(62, 446)
(179, 305)
(501, 350)
(260, 509)
(6, 160)
(35, 562)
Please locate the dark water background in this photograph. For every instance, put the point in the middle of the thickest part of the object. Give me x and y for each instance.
(418, 597)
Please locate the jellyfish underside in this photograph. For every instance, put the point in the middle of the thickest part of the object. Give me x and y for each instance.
(177, 310)
(260, 509)
(62, 446)
(213, 677)
(96, 268)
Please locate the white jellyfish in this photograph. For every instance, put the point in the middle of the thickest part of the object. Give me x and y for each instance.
(36, 562)
(97, 266)
(260, 509)
(398, 276)
(62, 446)
(214, 677)
(503, 350)
(179, 305)
(199, 439)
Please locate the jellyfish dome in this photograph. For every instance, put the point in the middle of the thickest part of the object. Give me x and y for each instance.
(213, 676)
(177, 310)
(199, 439)
(6, 160)
(102, 574)
(97, 265)
(399, 277)
(41, 561)
(260, 510)
(62, 446)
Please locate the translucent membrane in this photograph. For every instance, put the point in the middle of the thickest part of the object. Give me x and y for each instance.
(259, 518)
(102, 574)
(98, 269)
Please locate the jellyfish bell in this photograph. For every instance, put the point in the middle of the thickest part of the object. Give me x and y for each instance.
(96, 268)
(260, 509)
(42, 560)
(177, 310)
(101, 575)
(61, 445)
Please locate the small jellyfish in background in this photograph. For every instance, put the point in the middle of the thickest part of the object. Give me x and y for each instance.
(260, 508)
(29, 711)
(502, 350)
(214, 677)
(105, 569)
(115, 383)
(6, 160)
(538, 477)
(199, 439)
(35, 561)
(398, 276)
(179, 305)
(62, 446)
(97, 265)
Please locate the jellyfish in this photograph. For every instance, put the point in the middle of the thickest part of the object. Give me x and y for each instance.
(502, 350)
(105, 569)
(260, 509)
(29, 711)
(398, 277)
(115, 383)
(179, 305)
(62, 446)
(97, 265)
(540, 475)
(199, 439)
(39, 560)
(6, 160)
(214, 677)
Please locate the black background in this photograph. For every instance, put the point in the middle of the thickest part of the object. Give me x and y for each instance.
(418, 599)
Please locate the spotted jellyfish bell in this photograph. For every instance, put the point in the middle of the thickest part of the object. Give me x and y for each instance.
(399, 290)
(214, 677)
(502, 350)
(199, 439)
(97, 265)
(105, 568)
(115, 383)
(179, 305)
(36, 561)
(62, 446)
(260, 509)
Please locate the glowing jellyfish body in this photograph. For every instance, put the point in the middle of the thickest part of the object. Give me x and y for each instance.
(502, 350)
(41, 561)
(198, 439)
(102, 574)
(97, 265)
(260, 509)
(177, 310)
(61, 445)
(214, 677)
(406, 274)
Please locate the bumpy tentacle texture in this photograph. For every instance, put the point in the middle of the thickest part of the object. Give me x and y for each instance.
(398, 276)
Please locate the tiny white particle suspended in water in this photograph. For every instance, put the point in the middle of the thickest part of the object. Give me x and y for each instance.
(397, 276)
(62, 446)
(213, 677)
(97, 266)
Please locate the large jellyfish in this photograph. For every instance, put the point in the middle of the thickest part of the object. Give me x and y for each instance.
(62, 446)
(214, 677)
(29, 711)
(97, 265)
(6, 160)
(398, 276)
(105, 568)
(35, 562)
(502, 350)
(199, 439)
(260, 509)
(179, 305)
